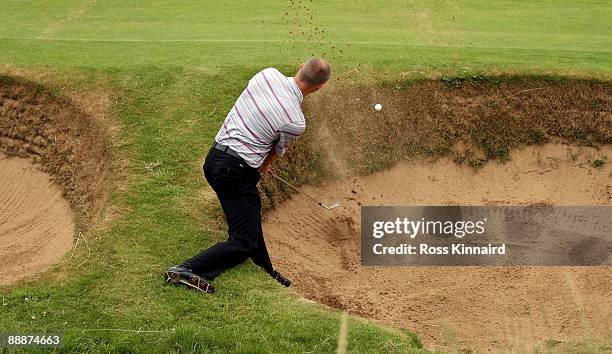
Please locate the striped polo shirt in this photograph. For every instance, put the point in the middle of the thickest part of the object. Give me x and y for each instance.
(267, 115)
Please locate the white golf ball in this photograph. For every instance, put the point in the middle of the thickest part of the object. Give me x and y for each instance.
(378, 107)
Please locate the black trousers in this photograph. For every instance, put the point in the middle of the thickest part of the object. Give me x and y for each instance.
(235, 183)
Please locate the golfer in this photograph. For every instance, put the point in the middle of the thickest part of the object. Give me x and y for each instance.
(265, 119)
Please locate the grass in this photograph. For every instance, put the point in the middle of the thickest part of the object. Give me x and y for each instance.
(174, 70)
(388, 36)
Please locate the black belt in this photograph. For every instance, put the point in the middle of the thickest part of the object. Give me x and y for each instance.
(226, 149)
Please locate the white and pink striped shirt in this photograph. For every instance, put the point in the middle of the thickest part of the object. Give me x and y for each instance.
(268, 114)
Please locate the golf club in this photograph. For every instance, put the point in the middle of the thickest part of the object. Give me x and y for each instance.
(332, 206)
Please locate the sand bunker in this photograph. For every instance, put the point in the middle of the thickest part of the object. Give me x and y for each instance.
(453, 308)
(36, 222)
(48, 136)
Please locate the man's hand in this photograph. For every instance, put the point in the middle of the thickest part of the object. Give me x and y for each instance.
(266, 166)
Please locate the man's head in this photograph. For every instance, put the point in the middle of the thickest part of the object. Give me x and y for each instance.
(312, 75)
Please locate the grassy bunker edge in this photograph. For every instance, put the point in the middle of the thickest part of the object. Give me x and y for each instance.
(473, 118)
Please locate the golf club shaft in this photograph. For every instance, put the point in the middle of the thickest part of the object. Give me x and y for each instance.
(294, 187)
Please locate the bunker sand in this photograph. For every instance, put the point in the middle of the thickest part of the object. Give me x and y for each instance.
(36, 222)
(453, 308)
(47, 136)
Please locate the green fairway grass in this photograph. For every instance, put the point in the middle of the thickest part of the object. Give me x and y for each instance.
(173, 70)
(544, 36)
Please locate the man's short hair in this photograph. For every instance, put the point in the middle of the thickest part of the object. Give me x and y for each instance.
(315, 71)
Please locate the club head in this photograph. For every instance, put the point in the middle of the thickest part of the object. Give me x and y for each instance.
(334, 205)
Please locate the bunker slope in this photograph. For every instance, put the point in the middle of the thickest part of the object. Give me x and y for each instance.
(36, 222)
(452, 308)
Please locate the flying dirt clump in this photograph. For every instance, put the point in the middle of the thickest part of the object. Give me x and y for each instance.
(53, 156)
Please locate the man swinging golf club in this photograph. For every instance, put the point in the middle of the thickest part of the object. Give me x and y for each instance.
(265, 119)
